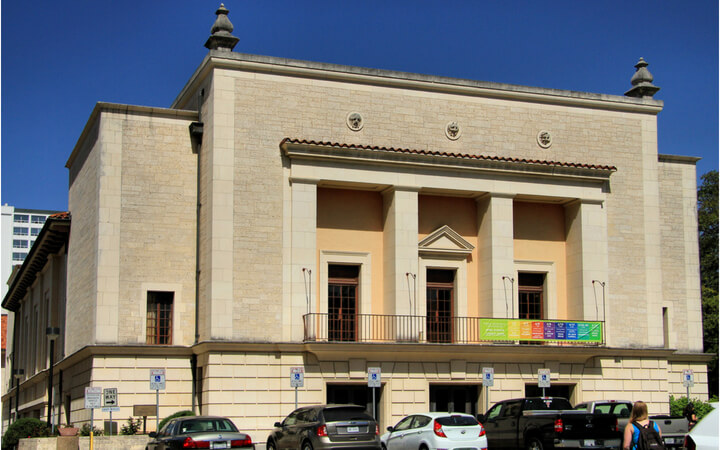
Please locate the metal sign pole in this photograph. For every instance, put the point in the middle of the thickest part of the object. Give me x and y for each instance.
(157, 410)
(111, 433)
(296, 397)
(374, 415)
(487, 398)
(92, 426)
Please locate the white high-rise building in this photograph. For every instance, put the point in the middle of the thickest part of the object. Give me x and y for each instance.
(20, 227)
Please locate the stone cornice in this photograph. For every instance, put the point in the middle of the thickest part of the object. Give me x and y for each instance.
(410, 81)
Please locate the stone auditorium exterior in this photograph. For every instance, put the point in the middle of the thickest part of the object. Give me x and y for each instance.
(284, 214)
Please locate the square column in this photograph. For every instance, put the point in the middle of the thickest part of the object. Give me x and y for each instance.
(587, 260)
(495, 256)
(303, 255)
(217, 221)
(400, 242)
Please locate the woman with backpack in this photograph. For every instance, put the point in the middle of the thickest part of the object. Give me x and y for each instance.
(640, 431)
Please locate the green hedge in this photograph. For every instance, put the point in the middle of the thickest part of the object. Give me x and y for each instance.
(24, 428)
(677, 406)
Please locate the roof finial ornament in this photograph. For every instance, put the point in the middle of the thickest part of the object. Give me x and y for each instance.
(221, 37)
(642, 81)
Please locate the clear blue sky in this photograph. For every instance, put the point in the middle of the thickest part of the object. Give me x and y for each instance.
(61, 57)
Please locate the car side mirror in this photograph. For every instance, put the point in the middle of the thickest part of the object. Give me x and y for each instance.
(277, 425)
(391, 429)
(152, 434)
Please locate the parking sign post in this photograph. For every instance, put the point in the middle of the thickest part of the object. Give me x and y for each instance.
(157, 382)
(543, 379)
(93, 398)
(688, 381)
(374, 381)
(297, 379)
(488, 380)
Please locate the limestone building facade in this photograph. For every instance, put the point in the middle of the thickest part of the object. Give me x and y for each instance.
(283, 214)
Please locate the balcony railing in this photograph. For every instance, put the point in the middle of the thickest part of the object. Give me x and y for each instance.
(324, 327)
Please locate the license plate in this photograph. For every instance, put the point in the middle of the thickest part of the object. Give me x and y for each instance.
(589, 443)
(353, 429)
(669, 440)
(219, 444)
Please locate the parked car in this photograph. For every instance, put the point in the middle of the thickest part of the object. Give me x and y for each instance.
(537, 423)
(705, 434)
(619, 408)
(326, 427)
(673, 429)
(435, 430)
(199, 432)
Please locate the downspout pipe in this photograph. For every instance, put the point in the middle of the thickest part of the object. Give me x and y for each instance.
(196, 133)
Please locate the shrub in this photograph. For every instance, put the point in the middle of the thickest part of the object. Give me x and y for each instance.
(174, 415)
(85, 430)
(677, 405)
(23, 428)
(132, 427)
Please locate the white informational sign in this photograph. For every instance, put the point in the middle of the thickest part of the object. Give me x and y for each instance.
(110, 397)
(488, 376)
(688, 378)
(374, 377)
(543, 378)
(157, 379)
(297, 376)
(93, 397)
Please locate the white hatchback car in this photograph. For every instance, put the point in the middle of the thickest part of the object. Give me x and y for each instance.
(704, 435)
(435, 431)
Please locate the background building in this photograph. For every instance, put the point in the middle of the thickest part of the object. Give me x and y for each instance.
(287, 214)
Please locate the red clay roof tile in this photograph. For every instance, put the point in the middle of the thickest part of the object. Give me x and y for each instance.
(447, 154)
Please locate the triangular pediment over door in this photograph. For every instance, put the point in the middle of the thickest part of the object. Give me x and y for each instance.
(445, 243)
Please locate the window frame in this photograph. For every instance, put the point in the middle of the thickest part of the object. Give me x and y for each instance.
(152, 332)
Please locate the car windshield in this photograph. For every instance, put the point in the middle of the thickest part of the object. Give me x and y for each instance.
(456, 421)
(204, 425)
(345, 413)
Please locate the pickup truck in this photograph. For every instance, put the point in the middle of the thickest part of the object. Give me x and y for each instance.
(538, 423)
(673, 429)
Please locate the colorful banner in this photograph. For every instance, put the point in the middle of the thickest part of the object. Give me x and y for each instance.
(540, 330)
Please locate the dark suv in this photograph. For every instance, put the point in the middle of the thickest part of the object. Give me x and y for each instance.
(326, 427)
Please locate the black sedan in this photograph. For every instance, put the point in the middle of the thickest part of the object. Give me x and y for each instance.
(199, 432)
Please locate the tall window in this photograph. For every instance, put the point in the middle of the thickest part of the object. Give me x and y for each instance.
(159, 317)
(440, 293)
(530, 295)
(342, 302)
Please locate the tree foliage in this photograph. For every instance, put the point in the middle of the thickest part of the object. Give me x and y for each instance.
(708, 240)
(677, 406)
(24, 428)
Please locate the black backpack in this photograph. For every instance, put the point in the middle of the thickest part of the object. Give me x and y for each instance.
(649, 438)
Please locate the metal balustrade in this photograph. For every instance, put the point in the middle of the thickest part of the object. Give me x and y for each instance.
(325, 327)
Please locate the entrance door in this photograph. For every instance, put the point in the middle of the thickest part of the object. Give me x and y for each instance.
(440, 293)
(530, 295)
(355, 394)
(452, 398)
(342, 302)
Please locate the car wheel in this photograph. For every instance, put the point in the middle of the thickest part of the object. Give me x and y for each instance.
(270, 445)
(534, 444)
(307, 446)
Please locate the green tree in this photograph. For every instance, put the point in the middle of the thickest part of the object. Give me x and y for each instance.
(708, 235)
